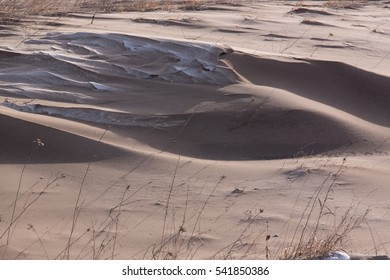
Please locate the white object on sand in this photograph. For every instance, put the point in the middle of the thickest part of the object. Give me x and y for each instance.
(337, 255)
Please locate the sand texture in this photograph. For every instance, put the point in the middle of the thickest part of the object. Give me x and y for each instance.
(195, 134)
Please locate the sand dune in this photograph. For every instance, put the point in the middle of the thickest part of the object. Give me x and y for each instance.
(197, 116)
(356, 91)
(20, 145)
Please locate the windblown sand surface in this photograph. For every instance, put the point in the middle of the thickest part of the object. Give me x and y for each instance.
(218, 125)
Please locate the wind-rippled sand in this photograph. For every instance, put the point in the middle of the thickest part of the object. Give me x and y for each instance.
(217, 125)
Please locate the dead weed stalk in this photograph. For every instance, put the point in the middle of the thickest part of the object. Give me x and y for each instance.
(320, 229)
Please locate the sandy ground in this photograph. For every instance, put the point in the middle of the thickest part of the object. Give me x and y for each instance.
(194, 134)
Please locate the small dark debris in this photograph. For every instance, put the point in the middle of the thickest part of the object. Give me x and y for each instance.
(308, 11)
(237, 191)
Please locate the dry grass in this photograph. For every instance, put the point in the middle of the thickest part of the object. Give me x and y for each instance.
(150, 5)
(343, 4)
(30, 11)
(336, 4)
(321, 230)
(13, 8)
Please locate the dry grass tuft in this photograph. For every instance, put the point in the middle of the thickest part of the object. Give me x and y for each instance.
(15, 8)
(320, 230)
(337, 4)
(343, 4)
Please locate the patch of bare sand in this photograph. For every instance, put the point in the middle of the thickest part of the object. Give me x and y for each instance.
(193, 134)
